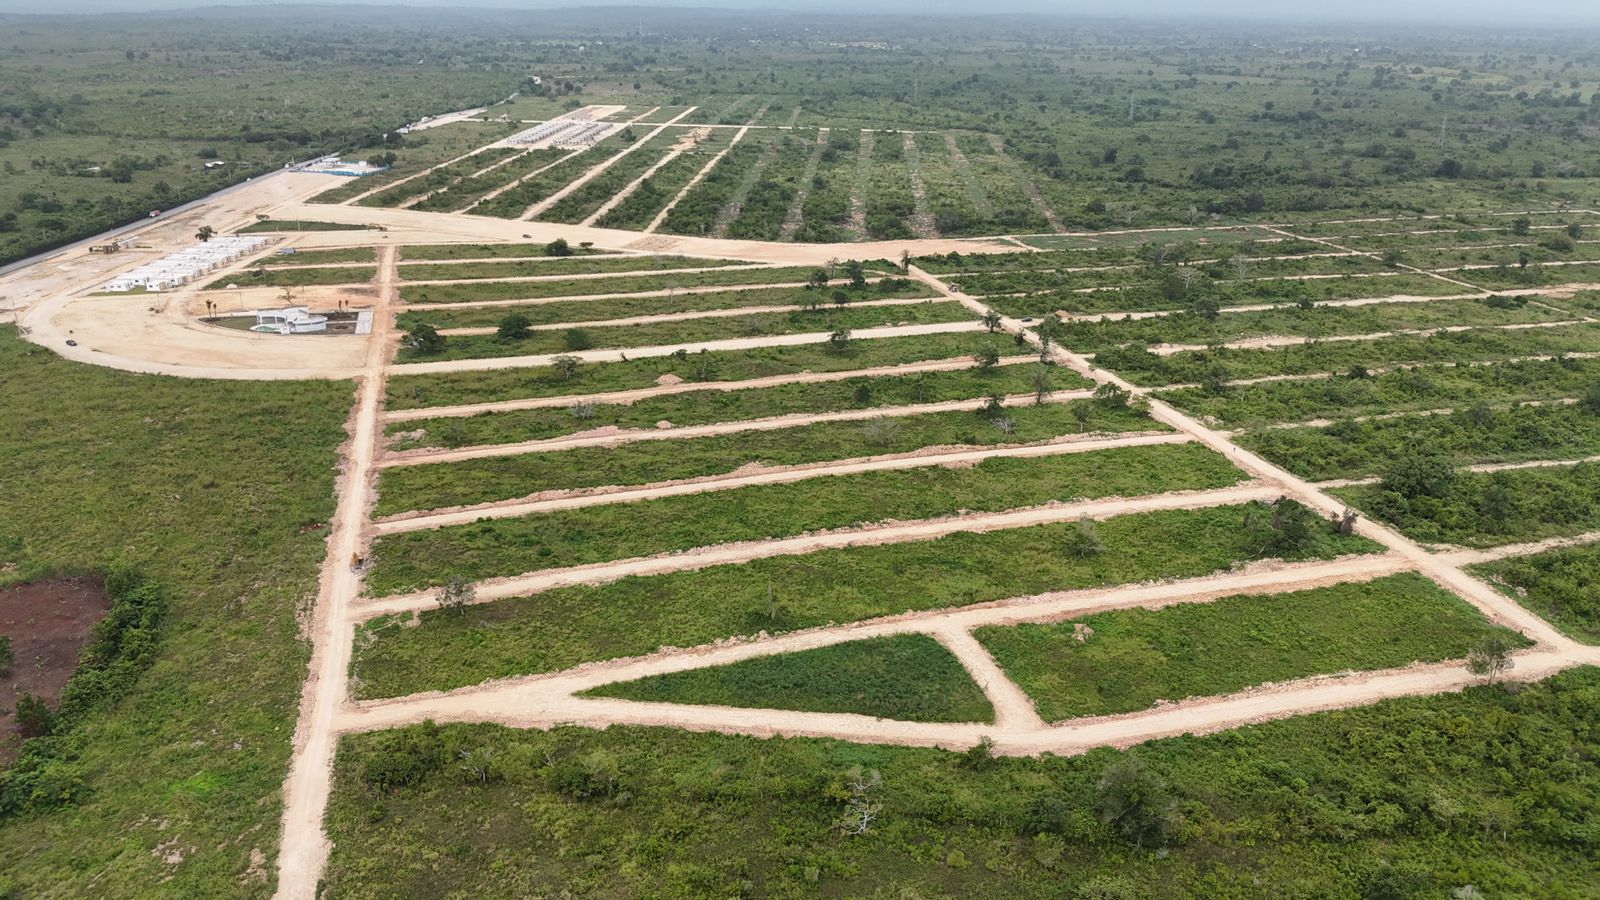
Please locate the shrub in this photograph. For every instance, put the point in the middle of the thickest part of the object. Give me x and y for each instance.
(576, 339)
(558, 247)
(424, 339)
(34, 718)
(513, 327)
(1134, 800)
(6, 656)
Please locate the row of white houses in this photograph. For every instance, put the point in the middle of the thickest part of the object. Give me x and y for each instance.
(178, 269)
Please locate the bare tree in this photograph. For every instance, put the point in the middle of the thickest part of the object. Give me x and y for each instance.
(565, 366)
(860, 809)
(456, 594)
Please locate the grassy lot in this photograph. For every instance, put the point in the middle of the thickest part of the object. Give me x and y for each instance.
(1421, 388)
(419, 559)
(594, 264)
(1482, 510)
(439, 389)
(703, 407)
(1198, 366)
(823, 321)
(1561, 585)
(319, 257)
(290, 277)
(1150, 298)
(440, 252)
(1135, 658)
(707, 814)
(220, 493)
(274, 225)
(908, 676)
(1317, 322)
(438, 485)
(1476, 434)
(561, 628)
(548, 312)
(638, 283)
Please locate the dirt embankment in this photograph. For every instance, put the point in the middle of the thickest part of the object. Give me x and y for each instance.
(48, 622)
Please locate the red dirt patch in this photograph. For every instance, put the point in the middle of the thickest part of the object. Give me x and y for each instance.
(49, 622)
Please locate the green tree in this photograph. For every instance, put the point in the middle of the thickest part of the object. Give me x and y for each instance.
(424, 339)
(1135, 801)
(514, 327)
(1491, 658)
(1419, 472)
(839, 341)
(576, 339)
(987, 358)
(558, 247)
(1521, 227)
(1082, 540)
(818, 280)
(991, 320)
(205, 233)
(456, 594)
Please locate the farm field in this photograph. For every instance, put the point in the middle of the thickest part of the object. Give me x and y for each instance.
(803, 455)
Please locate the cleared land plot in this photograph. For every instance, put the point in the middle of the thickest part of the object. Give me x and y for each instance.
(515, 201)
(684, 331)
(296, 277)
(696, 212)
(549, 312)
(910, 677)
(1512, 278)
(551, 266)
(991, 185)
(1562, 585)
(641, 207)
(1128, 660)
(889, 199)
(419, 559)
(440, 252)
(1317, 322)
(439, 389)
(318, 257)
(1151, 298)
(1486, 509)
(422, 151)
(592, 194)
(1468, 436)
(438, 179)
(469, 190)
(1233, 235)
(439, 485)
(763, 209)
(706, 407)
(1402, 390)
(560, 628)
(825, 215)
(638, 283)
(1198, 366)
(291, 225)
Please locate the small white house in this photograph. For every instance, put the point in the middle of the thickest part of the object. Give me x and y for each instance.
(289, 320)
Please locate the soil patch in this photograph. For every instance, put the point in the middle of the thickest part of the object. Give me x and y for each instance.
(49, 622)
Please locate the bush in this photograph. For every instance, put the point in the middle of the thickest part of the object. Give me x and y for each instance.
(6, 656)
(34, 718)
(424, 339)
(576, 339)
(558, 247)
(513, 327)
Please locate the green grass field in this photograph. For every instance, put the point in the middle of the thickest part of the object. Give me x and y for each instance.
(1324, 804)
(1563, 586)
(438, 485)
(907, 676)
(1134, 658)
(440, 389)
(709, 406)
(561, 628)
(106, 469)
(418, 559)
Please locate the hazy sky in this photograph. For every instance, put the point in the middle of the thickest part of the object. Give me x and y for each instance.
(1505, 12)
